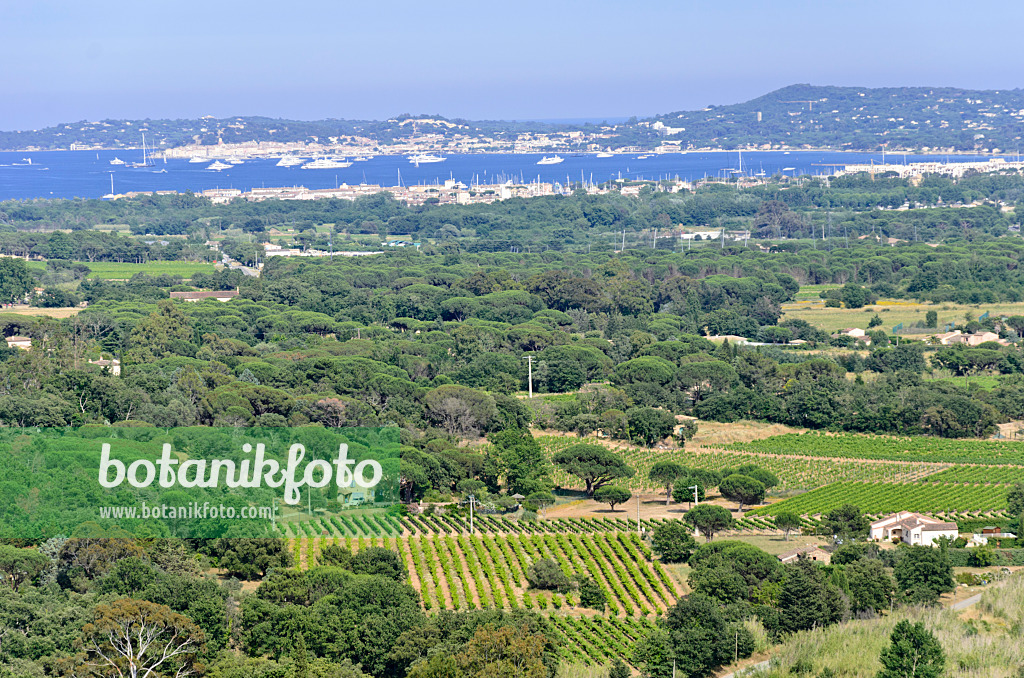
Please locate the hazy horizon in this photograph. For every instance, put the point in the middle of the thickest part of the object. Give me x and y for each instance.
(533, 61)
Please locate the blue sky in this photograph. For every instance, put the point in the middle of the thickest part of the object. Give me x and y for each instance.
(63, 61)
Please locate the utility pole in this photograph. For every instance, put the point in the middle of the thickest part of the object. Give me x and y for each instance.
(472, 500)
(696, 532)
(623, 240)
(529, 363)
(654, 241)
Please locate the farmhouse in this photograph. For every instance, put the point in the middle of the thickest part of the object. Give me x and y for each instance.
(913, 528)
(19, 342)
(222, 295)
(812, 552)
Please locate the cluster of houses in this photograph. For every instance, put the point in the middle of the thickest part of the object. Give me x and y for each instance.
(944, 339)
(910, 528)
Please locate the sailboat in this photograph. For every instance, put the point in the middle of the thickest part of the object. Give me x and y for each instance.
(145, 162)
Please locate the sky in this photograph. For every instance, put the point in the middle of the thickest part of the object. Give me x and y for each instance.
(68, 60)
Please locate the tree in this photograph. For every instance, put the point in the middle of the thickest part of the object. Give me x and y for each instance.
(517, 457)
(612, 495)
(618, 669)
(251, 559)
(595, 465)
(1015, 505)
(709, 519)
(871, 586)
(379, 561)
(335, 555)
(648, 425)
(845, 522)
(459, 410)
(931, 319)
(923, 574)
(300, 655)
(787, 521)
(808, 598)
(138, 638)
(665, 473)
(914, 653)
(742, 489)
(673, 542)
(545, 574)
(700, 637)
(591, 594)
(162, 333)
(19, 565)
(505, 651)
(15, 280)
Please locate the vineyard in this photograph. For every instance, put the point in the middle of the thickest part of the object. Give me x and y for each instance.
(793, 472)
(488, 571)
(921, 449)
(980, 474)
(883, 498)
(448, 523)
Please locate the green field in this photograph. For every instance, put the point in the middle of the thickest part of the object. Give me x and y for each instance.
(112, 270)
(891, 311)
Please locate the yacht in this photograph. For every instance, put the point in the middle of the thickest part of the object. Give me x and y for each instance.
(195, 159)
(642, 157)
(236, 161)
(553, 160)
(146, 162)
(425, 157)
(605, 154)
(290, 161)
(218, 166)
(117, 161)
(362, 158)
(327, 163)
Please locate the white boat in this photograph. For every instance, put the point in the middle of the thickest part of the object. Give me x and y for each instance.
(236, 161)
(553, 160)
(290, 161)
(642, 157)
(327, 163)
(361, 158)
(117, 161)
(605, 154)
(425, 158)
(145, 161)
(24, 161)
(218, 166)
(195, 159)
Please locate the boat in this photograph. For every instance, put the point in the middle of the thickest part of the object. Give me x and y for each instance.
(642, 157)
(195, 159)
(553, 160)
(290, 161)
(24, 162)
(218, 166)
(236, 161)
(605, 154)
(327, 163)
(145, 161)
(425, 158)
(117, 161)
(788, 169)
(362, 158)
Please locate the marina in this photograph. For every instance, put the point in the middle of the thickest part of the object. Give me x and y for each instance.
(86, 174)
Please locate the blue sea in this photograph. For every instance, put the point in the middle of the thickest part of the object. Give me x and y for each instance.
(87, 174)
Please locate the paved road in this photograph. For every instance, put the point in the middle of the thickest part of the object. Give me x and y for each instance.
(966, 602)
(962, 605)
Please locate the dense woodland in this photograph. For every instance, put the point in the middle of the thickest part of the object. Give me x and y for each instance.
(432, 343)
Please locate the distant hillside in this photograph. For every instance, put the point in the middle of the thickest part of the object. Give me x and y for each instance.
(852, 118)
(860, 118)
